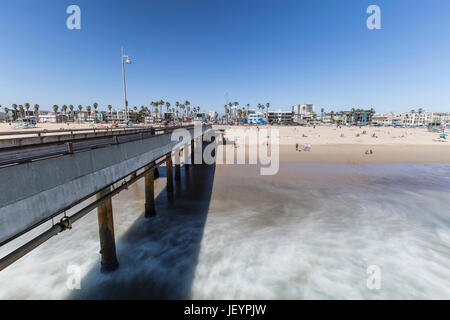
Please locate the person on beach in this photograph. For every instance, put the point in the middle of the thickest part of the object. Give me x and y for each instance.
(296, 147)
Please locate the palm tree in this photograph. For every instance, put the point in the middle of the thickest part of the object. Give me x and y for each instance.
(167, 106)
(161, 103)
(89, 110)
(27, 107)
(64, 109)
(36, 111)
(6, 114)
(55, 109)
(80, 107)
(110, 112)
(152, 105)
(371, 113)
(14, 106)
(22, 110)
(71, 107)
(95, 105)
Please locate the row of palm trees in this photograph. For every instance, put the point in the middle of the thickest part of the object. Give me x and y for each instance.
(353, 114)
(242, 112)
(20, 109)
(156, 109)
(177, 110)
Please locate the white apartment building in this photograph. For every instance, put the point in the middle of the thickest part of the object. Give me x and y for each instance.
(414, 118)
(439, 118)
(411, 118)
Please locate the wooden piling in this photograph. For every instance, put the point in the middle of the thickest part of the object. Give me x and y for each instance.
(177, 165)
(192, 151)
(169, 174)
(106, 231)
(150, 194)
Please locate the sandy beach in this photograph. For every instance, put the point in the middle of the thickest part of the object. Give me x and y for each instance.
(348, 145)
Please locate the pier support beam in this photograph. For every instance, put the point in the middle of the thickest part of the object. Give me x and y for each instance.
(106, 231)
(150, 194)
(169, 174)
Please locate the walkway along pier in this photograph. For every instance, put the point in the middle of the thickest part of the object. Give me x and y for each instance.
(42, 186)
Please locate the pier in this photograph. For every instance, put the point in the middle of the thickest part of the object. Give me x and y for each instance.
(47, 178)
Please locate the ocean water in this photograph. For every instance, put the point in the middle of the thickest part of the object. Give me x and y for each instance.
(310, 232)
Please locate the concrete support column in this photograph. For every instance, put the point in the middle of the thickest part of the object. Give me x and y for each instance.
(169, 174)
(177, 165)
(150, 194)
(192, 151)
(204, 144)
(156, 173)
(186, 158)
(106, 232)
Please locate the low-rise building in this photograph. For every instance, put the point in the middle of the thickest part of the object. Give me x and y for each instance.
(120, 116)
(255, 117)
(279, 116)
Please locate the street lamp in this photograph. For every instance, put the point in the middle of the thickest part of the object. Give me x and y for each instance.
(125, 59)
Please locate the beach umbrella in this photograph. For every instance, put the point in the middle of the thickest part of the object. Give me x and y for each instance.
(444, 134)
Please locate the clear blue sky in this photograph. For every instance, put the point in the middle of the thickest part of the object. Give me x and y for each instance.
(278, 51)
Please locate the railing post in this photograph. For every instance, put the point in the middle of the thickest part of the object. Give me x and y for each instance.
(150, 193)
(106, 232)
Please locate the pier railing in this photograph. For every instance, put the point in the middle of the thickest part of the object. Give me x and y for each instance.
(34, 149)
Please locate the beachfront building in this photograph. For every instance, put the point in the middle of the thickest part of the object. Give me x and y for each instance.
(51, 117)
(255, 117)
(120, 116)
(279, 116)
(362, 117)
(382, 120)
(414, 119)
(439, 118)
(303, 112)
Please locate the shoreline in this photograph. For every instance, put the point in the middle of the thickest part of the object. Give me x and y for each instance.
(355, 154)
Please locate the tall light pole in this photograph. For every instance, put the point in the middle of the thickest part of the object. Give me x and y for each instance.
(226, 99)
(125, 59)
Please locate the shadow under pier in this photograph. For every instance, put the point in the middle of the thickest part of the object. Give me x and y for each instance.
(158, 255)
